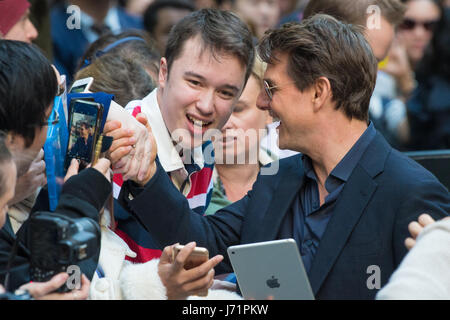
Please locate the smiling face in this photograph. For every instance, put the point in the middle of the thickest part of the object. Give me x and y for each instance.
(8, 179)
(293, 108)
(199, 91)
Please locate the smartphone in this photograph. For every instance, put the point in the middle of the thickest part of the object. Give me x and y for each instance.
(196, 258)
(81, 85)
(84, 128)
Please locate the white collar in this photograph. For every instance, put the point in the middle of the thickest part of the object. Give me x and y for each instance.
(167, 153)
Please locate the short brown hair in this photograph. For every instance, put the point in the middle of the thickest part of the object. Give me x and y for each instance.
(355, 11)
(220, 31)
(322, 46)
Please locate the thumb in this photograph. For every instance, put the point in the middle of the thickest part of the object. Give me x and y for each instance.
(142, 118)
(72, 170)
(166, 256)
(103, 166)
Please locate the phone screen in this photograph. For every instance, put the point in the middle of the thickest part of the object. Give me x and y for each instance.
(83, 126)
(78, 89)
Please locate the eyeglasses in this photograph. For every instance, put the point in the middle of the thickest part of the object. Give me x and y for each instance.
(410, 24)
(269, 88)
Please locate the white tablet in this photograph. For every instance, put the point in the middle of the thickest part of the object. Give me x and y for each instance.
(271, 268)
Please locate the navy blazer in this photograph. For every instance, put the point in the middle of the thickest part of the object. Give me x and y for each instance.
(385, 192)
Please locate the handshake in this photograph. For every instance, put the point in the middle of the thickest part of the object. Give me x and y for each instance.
(133, 151)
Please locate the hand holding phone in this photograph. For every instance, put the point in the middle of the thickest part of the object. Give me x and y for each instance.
(197, 257)
(181, 283)
(84, 125)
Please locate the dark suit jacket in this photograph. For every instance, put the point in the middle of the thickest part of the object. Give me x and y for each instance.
(368, 226)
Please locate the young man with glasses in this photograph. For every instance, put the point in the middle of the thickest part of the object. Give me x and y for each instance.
(346, 200)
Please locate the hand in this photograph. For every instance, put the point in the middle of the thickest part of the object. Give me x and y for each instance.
(33, 179)
(399, 67)
(125, 158)
(134, 162)
(415, 228)
(181, 283)
(102, 166)
(45, 290)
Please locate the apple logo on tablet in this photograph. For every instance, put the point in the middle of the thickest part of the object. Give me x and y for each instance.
(273, 283)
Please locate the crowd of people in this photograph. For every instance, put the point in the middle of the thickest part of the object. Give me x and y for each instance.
(233, 122)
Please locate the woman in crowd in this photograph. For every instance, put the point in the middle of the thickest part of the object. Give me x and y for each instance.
(396, 79)
(126, 78)
(239, 156)
(429, 105)
(260, 15)
(131, 45)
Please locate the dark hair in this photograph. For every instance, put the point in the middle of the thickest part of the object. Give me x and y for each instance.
(142, 52)
(436, 60)
(220, 31)
(5, 156)
(124, 78)
(322, 46)
(85, 124)
(355, 11)
(151, 14)
(28, 86)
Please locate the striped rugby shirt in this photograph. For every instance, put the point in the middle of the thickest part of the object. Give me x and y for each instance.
(193, 178)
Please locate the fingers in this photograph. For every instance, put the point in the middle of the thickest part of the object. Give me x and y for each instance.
(204, 268)
(410, 243)
(103, 166)
(122, 142)
(117, 156)
(120, 133)
(414, 229)
(425, 219)
(181, 257)
(72, 170)
(111, 125)
(40, 289)
(166, 256)
(201, 285)
(142, 118)
(81, 294)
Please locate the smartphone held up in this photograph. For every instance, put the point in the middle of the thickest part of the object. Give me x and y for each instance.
(85, 117)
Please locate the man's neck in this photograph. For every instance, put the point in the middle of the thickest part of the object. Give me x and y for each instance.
(328, 150)
(97, 9)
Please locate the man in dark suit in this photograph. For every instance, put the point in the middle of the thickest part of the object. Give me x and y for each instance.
(346, 200)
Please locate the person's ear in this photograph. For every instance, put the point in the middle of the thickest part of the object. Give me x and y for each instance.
(163, 73)
(321, 92)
